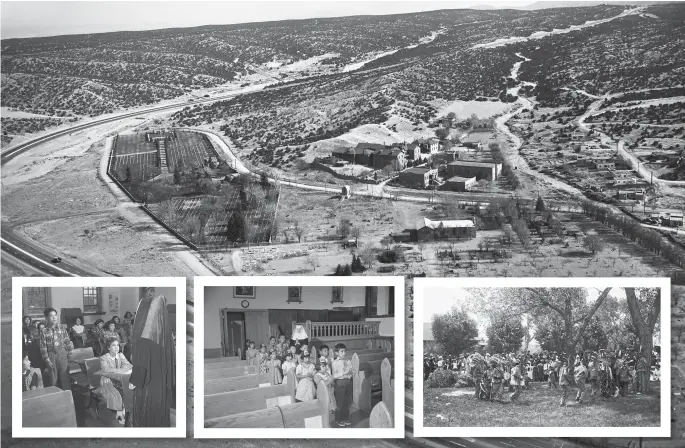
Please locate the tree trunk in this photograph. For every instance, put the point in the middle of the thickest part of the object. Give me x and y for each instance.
(644, 328)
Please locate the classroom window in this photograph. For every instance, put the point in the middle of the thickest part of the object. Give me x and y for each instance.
(92, 300)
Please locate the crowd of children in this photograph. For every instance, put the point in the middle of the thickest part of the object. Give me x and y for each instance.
(608, 373)
(331, 368)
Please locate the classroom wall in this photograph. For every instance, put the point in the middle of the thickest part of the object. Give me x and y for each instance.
(68, 297)
(270, 297)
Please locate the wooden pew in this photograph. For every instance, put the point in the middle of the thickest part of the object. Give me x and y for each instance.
(211, 353)
(50, 407)
(366, 378)
(247, 400)
(383, 414)
(307, 414)
(230, 372)
(222, 359)
(221, 385)
(225, 364)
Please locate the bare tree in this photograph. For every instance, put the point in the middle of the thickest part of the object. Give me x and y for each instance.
(299, 231)
(368, 254)
(355, 233)
(593, 243)
(313, 261)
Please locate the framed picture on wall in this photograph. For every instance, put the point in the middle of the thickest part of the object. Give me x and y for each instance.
(244, 292)
(337, 294)
(294, 294)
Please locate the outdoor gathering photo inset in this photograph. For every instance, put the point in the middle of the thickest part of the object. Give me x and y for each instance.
(542, 357)
(299, 357)
(98, 357)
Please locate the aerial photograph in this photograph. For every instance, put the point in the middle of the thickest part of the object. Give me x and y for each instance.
(456, 139)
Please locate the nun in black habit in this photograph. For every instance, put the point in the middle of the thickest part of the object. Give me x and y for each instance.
(153, 377)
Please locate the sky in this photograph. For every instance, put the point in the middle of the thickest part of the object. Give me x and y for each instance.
(52, 18)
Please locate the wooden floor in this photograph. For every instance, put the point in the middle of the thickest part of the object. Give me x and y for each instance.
(85, 418)
(359, 419)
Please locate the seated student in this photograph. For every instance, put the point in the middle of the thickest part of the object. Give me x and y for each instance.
(123, 337)
(325, 376)
(76, 333)
(31, 378)
(273, 368)
(306, 390)
(113, 391)
(96, 337)
(342, 384)
(111, 332)
(31, 343)
(251, 354)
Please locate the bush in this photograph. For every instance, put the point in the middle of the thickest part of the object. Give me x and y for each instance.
(463, 379)
(441, 378)
(389, 256)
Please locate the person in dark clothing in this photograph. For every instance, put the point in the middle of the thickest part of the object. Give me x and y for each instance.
(153, 377)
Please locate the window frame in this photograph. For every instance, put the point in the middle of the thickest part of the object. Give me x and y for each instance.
(98, 306)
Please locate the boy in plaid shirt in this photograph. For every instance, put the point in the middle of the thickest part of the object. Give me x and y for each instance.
(56, 347)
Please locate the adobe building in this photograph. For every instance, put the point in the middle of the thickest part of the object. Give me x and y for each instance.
(479, 170)
(417, 177)
(458, 183)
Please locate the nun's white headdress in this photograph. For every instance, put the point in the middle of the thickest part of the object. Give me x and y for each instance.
(299, 333)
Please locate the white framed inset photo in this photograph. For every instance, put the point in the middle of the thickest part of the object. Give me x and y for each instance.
(98, 357)
(305, 368)
(542, 357)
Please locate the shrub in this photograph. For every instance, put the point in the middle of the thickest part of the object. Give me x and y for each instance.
(463, 379)
(389, 256)
(441, 378)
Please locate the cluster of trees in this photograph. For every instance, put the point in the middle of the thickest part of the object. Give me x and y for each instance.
(648, 238)
(560, 319)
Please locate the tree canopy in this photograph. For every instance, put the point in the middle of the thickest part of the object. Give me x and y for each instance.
(455, 331)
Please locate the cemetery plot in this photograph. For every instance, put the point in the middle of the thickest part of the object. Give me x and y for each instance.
(191, 147)
(140, 164)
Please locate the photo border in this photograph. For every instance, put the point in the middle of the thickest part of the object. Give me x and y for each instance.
(179, 431)
(552, 431)
(200, 432)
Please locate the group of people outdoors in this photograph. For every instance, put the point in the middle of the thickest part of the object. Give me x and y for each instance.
(331, 367)
(150, 359)
(606, 373)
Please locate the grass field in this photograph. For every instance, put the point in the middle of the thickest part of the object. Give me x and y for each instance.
(537, 407)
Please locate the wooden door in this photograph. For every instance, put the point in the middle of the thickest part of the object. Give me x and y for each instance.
(232, 333)
(257, 327)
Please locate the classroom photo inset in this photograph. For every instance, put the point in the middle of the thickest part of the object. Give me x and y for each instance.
(98, 358)
(314, 357)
